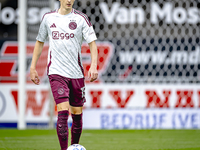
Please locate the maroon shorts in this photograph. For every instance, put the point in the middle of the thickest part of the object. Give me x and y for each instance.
(67, 89)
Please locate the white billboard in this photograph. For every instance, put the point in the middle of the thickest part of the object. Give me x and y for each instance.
(141, 119)
(113, 106)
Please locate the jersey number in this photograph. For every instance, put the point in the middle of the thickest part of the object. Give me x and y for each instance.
(83, 92)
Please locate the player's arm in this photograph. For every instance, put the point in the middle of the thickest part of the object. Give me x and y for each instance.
(36, 54)
(93, 73)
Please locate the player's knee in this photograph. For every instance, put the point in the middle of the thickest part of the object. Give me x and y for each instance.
(76, 110)
(63, 106)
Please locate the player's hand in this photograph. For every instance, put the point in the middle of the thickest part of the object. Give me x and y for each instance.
(34, 76)
(92, 74)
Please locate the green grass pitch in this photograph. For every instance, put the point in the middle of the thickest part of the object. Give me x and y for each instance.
(37, 139)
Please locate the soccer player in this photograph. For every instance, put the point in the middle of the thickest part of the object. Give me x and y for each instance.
(66, 28)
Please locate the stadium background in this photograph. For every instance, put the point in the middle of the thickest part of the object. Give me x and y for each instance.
(149, 61)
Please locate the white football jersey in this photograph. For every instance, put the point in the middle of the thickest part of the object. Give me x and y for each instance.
(66, 33)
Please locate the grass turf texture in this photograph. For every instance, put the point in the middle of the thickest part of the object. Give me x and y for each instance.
(12, 139)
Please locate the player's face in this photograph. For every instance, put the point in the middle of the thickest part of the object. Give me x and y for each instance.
(66, 4)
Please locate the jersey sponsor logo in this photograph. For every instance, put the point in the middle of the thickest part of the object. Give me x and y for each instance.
(56, 35)
(72, 25)
(53, 25)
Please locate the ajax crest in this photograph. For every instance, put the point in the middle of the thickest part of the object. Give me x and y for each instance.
(72, 25)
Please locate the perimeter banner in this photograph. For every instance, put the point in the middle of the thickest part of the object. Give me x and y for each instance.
(112, 106)
(142, 119)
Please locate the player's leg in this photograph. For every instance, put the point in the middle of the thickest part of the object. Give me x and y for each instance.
(60, 91)
(77, 99)
(62, 124)
(77, 124)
